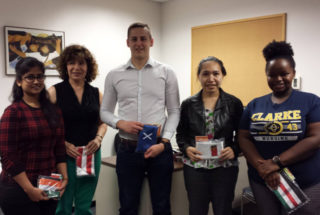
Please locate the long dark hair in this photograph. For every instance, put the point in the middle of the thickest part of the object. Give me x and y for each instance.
(49, 109)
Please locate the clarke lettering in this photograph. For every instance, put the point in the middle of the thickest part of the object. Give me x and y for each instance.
(285, 115)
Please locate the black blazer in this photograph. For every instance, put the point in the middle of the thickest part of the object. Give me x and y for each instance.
(226, 117)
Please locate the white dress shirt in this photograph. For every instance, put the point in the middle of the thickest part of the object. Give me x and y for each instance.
(144, 95)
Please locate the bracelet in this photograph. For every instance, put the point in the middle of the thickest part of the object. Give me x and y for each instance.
(99, 136)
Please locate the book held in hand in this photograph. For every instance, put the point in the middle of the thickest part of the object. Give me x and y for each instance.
(210, 149)
(85, 163)
(289, 193)
(147, 137)
(50, 185)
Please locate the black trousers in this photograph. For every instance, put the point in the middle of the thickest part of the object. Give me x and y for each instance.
(132, 168)
(14, 201)
(215, 185)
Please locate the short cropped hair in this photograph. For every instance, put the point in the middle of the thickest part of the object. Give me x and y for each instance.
(139, 25)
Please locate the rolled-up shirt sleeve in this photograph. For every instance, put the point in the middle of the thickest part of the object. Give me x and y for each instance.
(109, 102)
(9, 128)
(172, 105)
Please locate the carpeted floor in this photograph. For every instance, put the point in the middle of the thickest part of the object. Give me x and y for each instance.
(248, 209)
(93, 209)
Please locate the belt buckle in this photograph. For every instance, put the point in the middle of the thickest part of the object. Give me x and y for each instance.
(129, 142)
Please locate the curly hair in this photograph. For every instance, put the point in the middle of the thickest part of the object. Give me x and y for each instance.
(279, 49)
(76, 52)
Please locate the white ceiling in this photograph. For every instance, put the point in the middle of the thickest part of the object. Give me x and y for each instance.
(160, 1)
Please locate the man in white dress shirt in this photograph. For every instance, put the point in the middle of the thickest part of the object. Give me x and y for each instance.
(147, 93)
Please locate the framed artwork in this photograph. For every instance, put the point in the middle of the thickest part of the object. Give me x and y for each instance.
(45, 45)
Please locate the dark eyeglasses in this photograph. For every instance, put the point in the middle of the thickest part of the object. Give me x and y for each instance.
(32, 78)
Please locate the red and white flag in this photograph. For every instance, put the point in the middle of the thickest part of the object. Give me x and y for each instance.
(289, 192)
(85, 163)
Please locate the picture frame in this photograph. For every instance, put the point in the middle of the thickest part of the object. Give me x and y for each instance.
(45, 45)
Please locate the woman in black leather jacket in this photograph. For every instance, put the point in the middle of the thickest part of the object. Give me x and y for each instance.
(216, 114)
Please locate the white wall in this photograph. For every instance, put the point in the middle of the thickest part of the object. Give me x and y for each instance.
(179, 16)
(100, 25)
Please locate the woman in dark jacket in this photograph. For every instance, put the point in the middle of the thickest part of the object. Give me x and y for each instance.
(216, 114)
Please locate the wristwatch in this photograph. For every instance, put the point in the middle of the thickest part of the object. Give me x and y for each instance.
(276, 160)
(166, 144)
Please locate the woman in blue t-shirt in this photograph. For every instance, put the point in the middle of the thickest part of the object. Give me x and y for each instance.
(282, 129)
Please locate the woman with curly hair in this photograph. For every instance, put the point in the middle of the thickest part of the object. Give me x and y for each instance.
(282, 129)
(80, 105)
